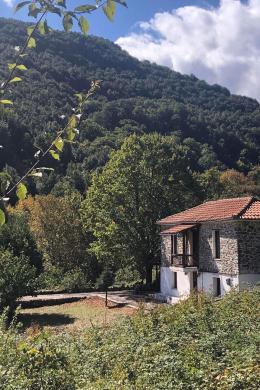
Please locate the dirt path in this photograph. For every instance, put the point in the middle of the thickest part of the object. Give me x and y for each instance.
(125, 298)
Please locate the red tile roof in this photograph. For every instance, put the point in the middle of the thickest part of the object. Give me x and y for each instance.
(177, 229)
(253, 211)
(246, 208)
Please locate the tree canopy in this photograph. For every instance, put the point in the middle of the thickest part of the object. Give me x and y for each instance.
(144, 181)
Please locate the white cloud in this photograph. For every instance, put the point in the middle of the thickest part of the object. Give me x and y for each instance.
(10, 3)
(220, 45)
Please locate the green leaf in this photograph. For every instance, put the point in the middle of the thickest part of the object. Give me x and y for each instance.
(11, 66)
(71, 134)
(30, 30)
(73, 121)
(31, 43)
(110, 9)
(54, 10)
(85, 8)
(122, 2)
(62, 3)
(59, 143)
(21, 191)
(33, 10)
(6, 102)
(67, 22)
(2, 218)
(54, 154)
(44, 28)
(21, 67)
(15, 80)
(21, 5)
(84, 25)
(79, 96)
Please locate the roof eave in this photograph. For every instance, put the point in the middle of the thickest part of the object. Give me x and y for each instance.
(162, 223)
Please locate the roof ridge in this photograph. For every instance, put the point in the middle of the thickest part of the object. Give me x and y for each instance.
(225, 199)
(252, 200)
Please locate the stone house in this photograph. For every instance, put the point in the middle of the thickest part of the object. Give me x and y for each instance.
(212, 247)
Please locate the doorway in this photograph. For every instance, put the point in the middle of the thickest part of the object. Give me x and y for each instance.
(194, 280)
(216, 287)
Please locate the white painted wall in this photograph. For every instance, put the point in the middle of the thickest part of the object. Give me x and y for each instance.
(248, 281)
(227, 282)
(205, 282)
(183, 282)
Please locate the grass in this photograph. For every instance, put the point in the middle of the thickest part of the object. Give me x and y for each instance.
(73, 317)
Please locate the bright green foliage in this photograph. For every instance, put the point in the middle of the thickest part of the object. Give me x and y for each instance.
(17, 278)
(6, 101)
(144, 181)
(2, 218)
(197, 344)
(21, 191)
(35, 363)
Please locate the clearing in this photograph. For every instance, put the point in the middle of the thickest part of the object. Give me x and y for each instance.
(76, 316)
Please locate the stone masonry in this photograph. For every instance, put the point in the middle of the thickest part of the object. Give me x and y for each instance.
(228, 262)
(248, 233)
(239, 247)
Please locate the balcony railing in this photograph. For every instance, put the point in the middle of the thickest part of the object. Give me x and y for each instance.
(184, 260)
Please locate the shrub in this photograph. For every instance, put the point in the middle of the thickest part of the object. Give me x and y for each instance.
(197, 344)
(17, 278)
(34, 363)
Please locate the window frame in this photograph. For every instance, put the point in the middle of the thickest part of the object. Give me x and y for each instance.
(216, 244)
(174, 244)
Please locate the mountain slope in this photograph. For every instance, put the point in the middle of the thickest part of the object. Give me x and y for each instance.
(217, 128)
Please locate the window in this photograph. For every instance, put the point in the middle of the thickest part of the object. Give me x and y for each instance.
(174, 244)
(216, 244)
(174, 284)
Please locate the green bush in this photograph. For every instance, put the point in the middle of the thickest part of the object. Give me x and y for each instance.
(198, 344)
(17, 278)
(34, 363)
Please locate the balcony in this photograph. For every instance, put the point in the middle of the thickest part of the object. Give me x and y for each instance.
(184, 260)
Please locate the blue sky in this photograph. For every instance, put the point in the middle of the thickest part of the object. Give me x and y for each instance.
(126, 19)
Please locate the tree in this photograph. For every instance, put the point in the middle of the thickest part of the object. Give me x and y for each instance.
(17, 278)
(17, 237)
(105, 280)
(236, 183)
(144, 181)
(57, 228)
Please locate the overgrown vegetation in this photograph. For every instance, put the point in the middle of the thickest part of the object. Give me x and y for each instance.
(196, 344)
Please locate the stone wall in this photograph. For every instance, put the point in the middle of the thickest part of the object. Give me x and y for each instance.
(228, 262)
(166, 250)
(249, 246)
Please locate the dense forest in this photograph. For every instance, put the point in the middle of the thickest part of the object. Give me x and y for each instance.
(218, 130)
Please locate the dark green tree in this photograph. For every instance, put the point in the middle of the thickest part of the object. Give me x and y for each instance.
(144, 181)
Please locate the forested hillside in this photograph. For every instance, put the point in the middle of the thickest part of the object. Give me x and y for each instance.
(216, 129)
